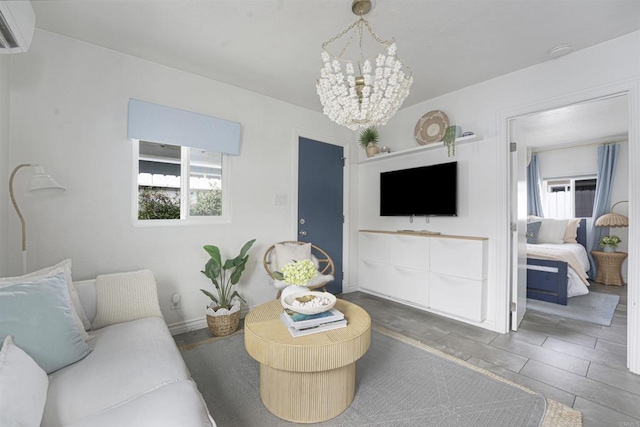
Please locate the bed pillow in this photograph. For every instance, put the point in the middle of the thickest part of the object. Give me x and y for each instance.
(122, 297)
(287, 252)
(552, 230)
(23, 387)
(571, 234)
(533, 229)
(38, 315)
(73, 293)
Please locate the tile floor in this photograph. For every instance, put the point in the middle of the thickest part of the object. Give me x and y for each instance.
(579, 364)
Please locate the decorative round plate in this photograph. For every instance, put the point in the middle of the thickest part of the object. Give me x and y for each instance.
(431, 127)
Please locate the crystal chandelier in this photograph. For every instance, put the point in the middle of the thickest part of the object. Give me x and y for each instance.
(367, 91)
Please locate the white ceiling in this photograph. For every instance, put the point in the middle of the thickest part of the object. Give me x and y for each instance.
(273, 46)
(601, 120)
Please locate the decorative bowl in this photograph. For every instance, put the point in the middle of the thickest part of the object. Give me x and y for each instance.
(298, 302)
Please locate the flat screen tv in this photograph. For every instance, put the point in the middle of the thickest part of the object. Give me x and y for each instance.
(422, 191)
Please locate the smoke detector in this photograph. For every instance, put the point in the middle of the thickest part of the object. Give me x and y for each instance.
(559, 51)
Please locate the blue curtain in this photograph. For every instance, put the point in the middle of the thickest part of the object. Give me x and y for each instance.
(534, 202)
(607, 159)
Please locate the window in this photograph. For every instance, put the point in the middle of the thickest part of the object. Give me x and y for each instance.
(179, 183)
(569, 197)
(183, 177)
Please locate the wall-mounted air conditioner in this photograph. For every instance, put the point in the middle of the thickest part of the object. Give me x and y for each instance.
(17, 22)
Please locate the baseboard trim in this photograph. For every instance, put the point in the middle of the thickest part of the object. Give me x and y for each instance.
(187, 326)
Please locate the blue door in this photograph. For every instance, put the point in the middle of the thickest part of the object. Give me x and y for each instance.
(320, 200)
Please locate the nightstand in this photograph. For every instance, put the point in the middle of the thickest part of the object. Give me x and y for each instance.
(609, 265)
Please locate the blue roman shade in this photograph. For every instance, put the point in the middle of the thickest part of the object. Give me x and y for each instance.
(157, 123)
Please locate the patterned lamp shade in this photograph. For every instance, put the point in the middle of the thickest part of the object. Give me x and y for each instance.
(613, 219)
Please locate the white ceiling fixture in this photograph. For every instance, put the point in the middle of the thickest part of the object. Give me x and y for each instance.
(558, 51)
(367, 91)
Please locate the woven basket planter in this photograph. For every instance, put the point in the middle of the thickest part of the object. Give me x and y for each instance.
(221, 326)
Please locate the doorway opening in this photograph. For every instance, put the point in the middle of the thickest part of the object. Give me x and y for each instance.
(562, 143)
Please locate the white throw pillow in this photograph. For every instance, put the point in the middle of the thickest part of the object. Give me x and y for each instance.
(552, 230)
(122, 297)
(76, 306)
(571, 235)
(287, 252)
(23, 387)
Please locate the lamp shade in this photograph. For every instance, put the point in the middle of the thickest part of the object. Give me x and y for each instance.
(612, 220)
(43, 185)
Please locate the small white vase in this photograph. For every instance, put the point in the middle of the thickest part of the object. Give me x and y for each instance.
(292, 289)
(609, 249)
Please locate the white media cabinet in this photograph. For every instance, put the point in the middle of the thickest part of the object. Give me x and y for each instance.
(444, 274)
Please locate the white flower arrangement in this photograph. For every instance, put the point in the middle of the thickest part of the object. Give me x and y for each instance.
(297, 273)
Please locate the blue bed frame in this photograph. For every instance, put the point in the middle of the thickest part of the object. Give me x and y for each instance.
(551, 286)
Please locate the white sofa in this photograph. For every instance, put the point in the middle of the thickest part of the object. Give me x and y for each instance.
(133, 377)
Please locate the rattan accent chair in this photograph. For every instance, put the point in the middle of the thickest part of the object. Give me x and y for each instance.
(322, 260)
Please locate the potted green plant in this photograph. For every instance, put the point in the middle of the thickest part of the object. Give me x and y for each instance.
(449, 139)
(368, 140)
(223, 313)
(609, 243)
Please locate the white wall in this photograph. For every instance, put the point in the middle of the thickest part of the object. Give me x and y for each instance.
(477, 109)
(4, 161)
(69, 113)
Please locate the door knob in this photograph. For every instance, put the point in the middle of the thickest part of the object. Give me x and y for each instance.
(302, 233)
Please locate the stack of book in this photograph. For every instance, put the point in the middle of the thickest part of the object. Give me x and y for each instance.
(303, 324)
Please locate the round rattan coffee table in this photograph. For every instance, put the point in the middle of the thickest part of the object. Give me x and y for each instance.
(311, 378)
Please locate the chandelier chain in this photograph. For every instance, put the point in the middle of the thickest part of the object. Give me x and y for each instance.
(375, 36)
(358, 23)
(347, 45)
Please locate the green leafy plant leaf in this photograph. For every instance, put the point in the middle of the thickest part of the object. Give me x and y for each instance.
(368, 136)
(225, 275)
(449, 140)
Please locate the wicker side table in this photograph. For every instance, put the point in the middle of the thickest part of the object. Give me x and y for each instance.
(609, 267)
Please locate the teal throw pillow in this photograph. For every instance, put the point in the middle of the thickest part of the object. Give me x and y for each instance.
(533, 228)
(38, 315)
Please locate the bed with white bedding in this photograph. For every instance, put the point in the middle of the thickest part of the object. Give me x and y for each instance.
(558, 271)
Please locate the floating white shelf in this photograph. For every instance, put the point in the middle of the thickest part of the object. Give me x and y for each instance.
(381, 156)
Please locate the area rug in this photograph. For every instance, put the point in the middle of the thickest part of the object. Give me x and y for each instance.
(399, 382)
(594, 307)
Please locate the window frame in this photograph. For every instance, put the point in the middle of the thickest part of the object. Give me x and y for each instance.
(185, 173)
(572, 185)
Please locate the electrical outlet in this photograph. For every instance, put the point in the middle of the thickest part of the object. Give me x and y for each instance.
(176, 302)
